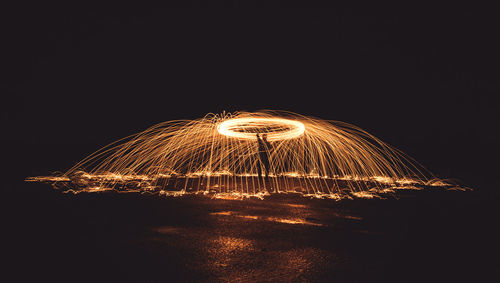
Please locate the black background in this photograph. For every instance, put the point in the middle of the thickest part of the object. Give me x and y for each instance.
(75, 77)
(421, 78)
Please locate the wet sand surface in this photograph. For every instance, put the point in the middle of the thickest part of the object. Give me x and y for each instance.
(422, 236)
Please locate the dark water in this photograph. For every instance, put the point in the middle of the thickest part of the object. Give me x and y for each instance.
(419, 237)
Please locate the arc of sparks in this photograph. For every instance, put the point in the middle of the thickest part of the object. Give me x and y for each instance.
(219, 153)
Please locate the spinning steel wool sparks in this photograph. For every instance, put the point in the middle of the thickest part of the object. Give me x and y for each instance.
(220, 154)
(276, 128)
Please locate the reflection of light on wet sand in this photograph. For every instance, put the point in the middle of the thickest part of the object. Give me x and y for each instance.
(273, 219)
(299, 260)
(221, 213)
(296, 205)
(228, 244)
(352, 217)
(224, 249)
(249, 216)
(293, 221)
(294, 265)
(233, 259)
(167, 230)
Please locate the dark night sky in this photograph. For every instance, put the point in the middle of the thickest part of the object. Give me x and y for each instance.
(424, 79)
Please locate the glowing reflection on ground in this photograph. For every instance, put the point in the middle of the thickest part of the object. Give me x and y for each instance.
(286, 220)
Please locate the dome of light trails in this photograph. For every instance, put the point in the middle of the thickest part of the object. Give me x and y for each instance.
(225, 154)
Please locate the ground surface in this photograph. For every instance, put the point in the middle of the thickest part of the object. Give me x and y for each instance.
(424, 236)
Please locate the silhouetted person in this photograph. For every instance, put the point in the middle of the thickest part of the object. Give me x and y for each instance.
(264, 148)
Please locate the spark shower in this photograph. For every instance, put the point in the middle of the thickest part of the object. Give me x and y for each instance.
(219, 154)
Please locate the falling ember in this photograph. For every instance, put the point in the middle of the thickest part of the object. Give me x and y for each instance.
(220, 155)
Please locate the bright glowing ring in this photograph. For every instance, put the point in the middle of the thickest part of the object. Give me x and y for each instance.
(292, 128)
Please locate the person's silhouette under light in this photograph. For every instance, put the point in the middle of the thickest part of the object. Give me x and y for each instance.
(264, 148)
